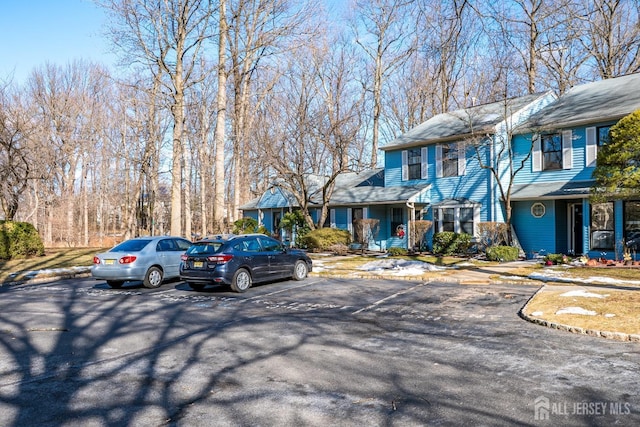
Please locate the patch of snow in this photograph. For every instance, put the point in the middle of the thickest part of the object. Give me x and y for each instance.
(609, 315)
(576, 310)
(583, 293)
(537, 313)
(557, 276)
(400, 264)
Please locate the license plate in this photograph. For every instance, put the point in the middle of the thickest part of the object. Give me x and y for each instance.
(198, 264)
(109, 261)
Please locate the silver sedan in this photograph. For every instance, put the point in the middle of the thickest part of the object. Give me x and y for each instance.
(149, 259)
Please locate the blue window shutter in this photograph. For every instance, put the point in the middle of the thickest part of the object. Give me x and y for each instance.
(591, 148)
(567, 149)
(424, 167)
(438, 161)
(405, 165)
(536, 156)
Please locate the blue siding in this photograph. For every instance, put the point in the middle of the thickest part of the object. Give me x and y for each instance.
(536, 235)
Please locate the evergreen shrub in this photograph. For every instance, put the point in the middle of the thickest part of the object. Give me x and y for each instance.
(502, 253)
(19, 240)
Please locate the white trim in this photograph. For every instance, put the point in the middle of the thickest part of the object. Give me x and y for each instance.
(424, 166)
(405, 165)
(591, 147)
(332, 218)
(536, 155)
(350, 220)
(438, 161)
(567, 149)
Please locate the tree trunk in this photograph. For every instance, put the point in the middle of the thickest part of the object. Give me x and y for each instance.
(219, 137)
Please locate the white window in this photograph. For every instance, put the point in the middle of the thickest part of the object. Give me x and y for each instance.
(458, 218)
(414, 164)
(596, 137)
(553, 151)
(450, 160)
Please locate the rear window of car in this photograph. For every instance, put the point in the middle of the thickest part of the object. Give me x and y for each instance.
(205, 248)
(131, 245)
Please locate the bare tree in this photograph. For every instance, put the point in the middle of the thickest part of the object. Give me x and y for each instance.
(221, 117)
(611, 35)
(16, 153)
(259, 32)
(168, 36)
(386, 38)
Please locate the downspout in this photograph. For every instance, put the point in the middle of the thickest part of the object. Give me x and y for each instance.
(412, 209)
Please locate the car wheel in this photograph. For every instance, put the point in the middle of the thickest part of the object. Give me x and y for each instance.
(300, 270)
(115, 284)
(241, 280)
(153, 279)
(196, 286)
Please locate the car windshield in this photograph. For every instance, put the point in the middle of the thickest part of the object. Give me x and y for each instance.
(131, 245)
(205, 248)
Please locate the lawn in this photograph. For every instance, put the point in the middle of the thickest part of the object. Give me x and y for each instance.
(53, 258)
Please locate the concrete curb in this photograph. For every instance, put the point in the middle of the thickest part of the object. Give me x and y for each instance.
(49, 277)
(617, 336)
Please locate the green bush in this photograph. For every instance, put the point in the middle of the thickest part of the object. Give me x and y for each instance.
(395, 251)
(450, 243)
(556, 258)
(19, 240)
(502, 253)
(248, 225)
(323, 239)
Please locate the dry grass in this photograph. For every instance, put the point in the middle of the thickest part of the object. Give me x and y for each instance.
(53, 258)
(622, 304)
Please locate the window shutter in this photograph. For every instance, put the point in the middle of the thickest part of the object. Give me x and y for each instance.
(536, 156)
(462, 159)
(438, 161)
(567, 149)
(405, 165)
(332, 218)
(424, 171)
(592, 147)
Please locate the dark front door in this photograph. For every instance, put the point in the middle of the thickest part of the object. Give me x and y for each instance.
(575, 229)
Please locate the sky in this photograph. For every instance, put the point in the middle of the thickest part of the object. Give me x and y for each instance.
(56, 31)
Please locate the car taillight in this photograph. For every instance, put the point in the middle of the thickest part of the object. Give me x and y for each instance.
(220, 259)
(127, 259)
(184, 257)
(96, 260)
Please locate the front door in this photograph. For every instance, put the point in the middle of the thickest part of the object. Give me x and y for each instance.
(575, 229)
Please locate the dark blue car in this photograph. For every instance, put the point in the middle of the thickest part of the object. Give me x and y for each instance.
(240, 261)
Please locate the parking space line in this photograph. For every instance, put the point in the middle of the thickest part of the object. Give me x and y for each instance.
(375, 304)
(279, 291)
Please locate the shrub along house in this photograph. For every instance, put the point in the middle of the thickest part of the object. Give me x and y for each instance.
(552, 210)
(431, 173)
(438, 171)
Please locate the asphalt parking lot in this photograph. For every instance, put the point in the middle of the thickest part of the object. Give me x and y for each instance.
(317, 352)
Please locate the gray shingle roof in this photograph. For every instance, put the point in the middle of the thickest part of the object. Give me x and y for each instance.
(551, 190)
(463, 122)
(375, 195)
(600, 101)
